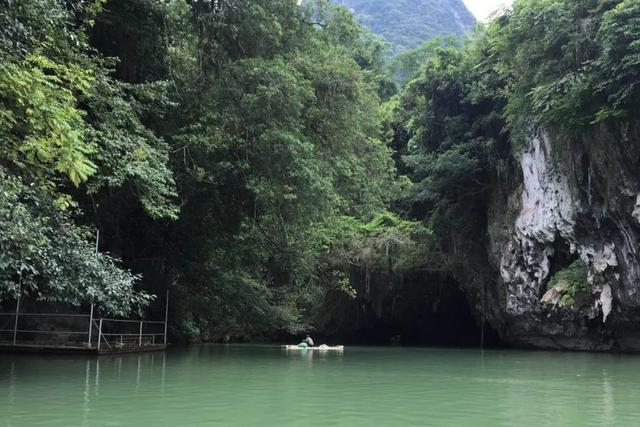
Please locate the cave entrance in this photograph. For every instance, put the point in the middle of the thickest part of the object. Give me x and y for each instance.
(562, 256)
(561, 259)
(436, 311)
(426, 310)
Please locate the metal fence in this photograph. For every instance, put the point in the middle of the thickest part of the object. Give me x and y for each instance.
(44, 328)
(127, 334)
(81, 330)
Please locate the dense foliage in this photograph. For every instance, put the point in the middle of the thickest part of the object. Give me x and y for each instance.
(54, 143)
(215, 146)
(252, 156)
(570, 283)
(569, 64)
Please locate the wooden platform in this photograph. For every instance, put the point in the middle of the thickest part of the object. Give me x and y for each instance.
(56, 332)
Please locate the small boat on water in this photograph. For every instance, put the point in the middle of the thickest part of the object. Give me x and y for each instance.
(322, 347)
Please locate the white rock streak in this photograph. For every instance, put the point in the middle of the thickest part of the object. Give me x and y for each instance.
(549, 212)
(547, 204)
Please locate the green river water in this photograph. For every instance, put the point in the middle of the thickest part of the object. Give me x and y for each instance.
(365, 386)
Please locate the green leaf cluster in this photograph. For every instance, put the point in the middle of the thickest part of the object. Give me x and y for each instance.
(68, 134)
(572, 282)
(569, 64)
(44, 256)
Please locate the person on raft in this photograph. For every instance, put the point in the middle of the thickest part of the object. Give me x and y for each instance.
(307, 342)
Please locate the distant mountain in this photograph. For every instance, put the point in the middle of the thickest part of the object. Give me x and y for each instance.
(406, 24)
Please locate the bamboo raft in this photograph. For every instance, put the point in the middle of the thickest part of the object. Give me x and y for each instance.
(319, 348)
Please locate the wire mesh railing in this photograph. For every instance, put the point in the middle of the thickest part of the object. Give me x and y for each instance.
(81, 331)
(130, 334)
(62, 329)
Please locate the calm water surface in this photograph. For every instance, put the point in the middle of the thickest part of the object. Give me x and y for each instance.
(264, 386)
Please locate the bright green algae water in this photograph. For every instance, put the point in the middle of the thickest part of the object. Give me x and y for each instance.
(265, 386)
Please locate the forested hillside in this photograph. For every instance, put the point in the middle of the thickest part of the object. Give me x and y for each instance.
(254, 157)
(406, 24)
(221, 150)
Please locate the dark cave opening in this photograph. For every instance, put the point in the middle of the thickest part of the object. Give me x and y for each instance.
(562, 256)
(429, 310)
(561, 259)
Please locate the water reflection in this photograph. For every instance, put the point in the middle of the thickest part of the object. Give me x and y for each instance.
(85, 400)
(97, 376)
(608, 416)
(164, 365)
(55, 382)
(138, 374)
(312, 357)
(12, 381)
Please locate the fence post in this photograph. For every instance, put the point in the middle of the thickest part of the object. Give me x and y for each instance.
(90, 326)
(140, 335)
(99, 333)
(15, 324)
(166, 317)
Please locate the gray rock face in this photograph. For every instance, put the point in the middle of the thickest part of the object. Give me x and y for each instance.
(585, 209)
(547, 211)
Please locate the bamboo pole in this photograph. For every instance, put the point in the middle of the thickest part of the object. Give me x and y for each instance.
(483, 314)
(90, 326)
(15, 324)
(99, 333)
(166, 317)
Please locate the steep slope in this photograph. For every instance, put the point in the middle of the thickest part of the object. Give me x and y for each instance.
(525, 151)
(406, 24)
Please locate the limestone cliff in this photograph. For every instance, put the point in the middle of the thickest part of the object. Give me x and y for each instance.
(564, 243)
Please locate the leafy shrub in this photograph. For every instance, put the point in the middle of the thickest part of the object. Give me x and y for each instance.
(572, 281)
